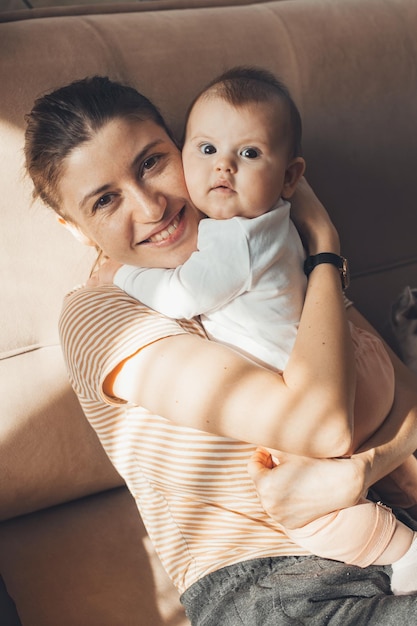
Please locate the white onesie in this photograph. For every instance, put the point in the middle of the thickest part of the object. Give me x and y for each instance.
(246, 281)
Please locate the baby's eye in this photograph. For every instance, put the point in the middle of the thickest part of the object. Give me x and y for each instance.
(250, 153)
(207, 148)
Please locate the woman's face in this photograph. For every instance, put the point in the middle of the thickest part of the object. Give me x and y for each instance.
(124, 190)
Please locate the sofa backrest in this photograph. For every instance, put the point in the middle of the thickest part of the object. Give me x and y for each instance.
(351, 66)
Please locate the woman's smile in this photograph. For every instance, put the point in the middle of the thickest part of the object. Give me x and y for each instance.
(168, 233)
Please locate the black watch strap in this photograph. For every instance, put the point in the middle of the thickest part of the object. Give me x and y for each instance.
(328, 257)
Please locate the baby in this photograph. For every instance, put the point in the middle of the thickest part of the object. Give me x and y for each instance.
(241, 163)
(247, 280)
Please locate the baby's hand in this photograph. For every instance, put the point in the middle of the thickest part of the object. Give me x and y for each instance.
(104, 274)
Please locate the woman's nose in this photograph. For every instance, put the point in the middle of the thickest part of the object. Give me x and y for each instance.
(148, 206)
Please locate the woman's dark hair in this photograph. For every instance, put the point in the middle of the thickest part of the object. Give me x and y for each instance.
(245, 85)
(63, 119)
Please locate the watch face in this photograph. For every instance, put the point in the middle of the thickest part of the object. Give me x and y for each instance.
(344, 273)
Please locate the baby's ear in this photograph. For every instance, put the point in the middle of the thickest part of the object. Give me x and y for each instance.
(295, 170)
(75, 231)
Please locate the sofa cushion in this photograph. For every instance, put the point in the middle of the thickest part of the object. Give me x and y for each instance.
(88, 563)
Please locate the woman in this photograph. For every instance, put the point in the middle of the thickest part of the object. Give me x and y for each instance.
(101, 156)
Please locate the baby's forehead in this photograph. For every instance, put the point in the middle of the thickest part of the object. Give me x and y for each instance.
(271, 112)
(275, 105)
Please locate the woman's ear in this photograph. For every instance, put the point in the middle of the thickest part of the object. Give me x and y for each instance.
(75, 231)
(295, 170)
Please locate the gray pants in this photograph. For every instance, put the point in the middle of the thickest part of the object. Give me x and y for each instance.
(298, 590)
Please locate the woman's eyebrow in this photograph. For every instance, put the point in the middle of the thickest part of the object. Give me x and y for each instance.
(149, 146)
(92, 194)
(103, 188)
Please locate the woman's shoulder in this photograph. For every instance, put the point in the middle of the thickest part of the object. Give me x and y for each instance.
(91, 298)
(101, 326)
(100, 305)
(93, 317)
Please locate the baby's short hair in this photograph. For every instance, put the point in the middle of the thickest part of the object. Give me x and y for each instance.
(245, 85)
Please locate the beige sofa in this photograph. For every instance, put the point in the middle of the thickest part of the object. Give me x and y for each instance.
(73, 550)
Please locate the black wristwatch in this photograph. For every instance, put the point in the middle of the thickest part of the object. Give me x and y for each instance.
(328, 257)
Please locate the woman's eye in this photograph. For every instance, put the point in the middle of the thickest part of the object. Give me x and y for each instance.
(149, 163)
(207, 148)
(250, 153)
(103, 202)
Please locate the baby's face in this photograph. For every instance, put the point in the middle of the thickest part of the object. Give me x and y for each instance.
(235, 159)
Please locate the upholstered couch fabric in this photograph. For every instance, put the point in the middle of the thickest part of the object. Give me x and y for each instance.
(73, 550)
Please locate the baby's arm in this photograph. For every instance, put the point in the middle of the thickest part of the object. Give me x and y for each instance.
(210, 278)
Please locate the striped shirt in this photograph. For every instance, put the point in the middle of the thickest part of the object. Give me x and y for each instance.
(192, 488)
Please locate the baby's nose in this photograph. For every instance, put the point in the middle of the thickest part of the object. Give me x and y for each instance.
(225, 164)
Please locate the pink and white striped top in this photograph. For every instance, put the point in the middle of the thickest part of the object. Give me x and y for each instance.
(192, 488)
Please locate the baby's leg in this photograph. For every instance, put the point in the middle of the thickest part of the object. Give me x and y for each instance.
(375, 385)
(362, 535)
(374, 397)
(365, 534)
(399, 488)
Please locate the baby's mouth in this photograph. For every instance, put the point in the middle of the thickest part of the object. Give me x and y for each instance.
(222, 184)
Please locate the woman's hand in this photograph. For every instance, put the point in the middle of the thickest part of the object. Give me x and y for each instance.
(295, 490)
(313, 223)
(104, 274)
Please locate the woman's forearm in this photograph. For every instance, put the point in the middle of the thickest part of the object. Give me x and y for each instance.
(328, 359)
(323, 355)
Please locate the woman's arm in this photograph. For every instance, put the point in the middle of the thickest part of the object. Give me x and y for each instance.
(300, 489)
(295, 490)
(208, 386)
